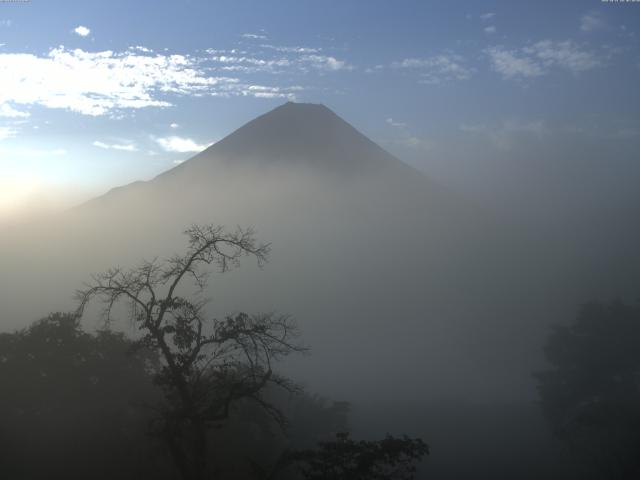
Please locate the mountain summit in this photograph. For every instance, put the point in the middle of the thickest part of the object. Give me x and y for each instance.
(301, 133)
(292, 139)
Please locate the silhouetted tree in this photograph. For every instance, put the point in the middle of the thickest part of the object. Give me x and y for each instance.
(252, 441)
(70, 403)
(345, 459)
(207, 367)
(591, 395)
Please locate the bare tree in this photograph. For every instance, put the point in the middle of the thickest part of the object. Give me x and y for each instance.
(207, 366)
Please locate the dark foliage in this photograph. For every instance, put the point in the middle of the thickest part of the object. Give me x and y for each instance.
(189, 397)
(79, 405)
(346, 459)
(591, 396)
(207, 366)
(72, 403)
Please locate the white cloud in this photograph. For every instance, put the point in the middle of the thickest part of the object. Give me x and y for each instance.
(82, 31)
(510, 64)
(437, 69)
(406, 138)
(8, 112)
(326, 63)
(504, 135)
(374, 69)
(592, 21)
(245, 64)
(5, 23)
(140, 48)
(99, 144)
(563, 54)
(292, 59)
(180, 145)
(416, 143)
(103, 83)
(125, 148)
(128, 147)
(7, 132)
(395, 123)
(538, 59)
(174, 125)
(253, 36)
(487, 16)
(262, 91)
(292, 49)
(490, 29)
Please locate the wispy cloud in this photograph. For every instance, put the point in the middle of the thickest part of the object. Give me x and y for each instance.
(102, 83)
(416, 143)
(592, 21)
(248, 64)
(286, 49)
(140, 48)
(254, 36)
(7, 132)
(5, 23)
(395, 123)
(511, 64)
(437, 69)
(180, 144)
(490, 29)
(405, 138)
(262, 91)
(9, 112)
(565, 55)
(487, 16)
(505, 135)
(540, 58)
(325, 63)
(82, 31)
(290, 60)
(127, 147)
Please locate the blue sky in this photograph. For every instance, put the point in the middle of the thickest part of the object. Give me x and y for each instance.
(96, 94)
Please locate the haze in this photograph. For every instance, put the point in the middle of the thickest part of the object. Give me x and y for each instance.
(440, 185)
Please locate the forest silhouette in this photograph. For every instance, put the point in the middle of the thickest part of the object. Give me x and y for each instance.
(184, 398)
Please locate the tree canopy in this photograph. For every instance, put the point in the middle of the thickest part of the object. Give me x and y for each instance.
(591, 394)
(207, 365)
(189, 396)
(73, 402)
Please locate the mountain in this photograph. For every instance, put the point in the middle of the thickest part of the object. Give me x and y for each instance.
(298, 132)
(300, 138)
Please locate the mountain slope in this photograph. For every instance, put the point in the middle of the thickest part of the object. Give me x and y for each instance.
(295, 138)
(296, 132)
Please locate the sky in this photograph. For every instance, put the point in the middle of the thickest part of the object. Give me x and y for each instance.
(99, 94)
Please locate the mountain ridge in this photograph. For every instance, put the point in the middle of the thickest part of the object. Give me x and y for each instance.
(297, 136)
(307, 132)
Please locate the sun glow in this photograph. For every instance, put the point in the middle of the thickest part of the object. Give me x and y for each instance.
(17, 192)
